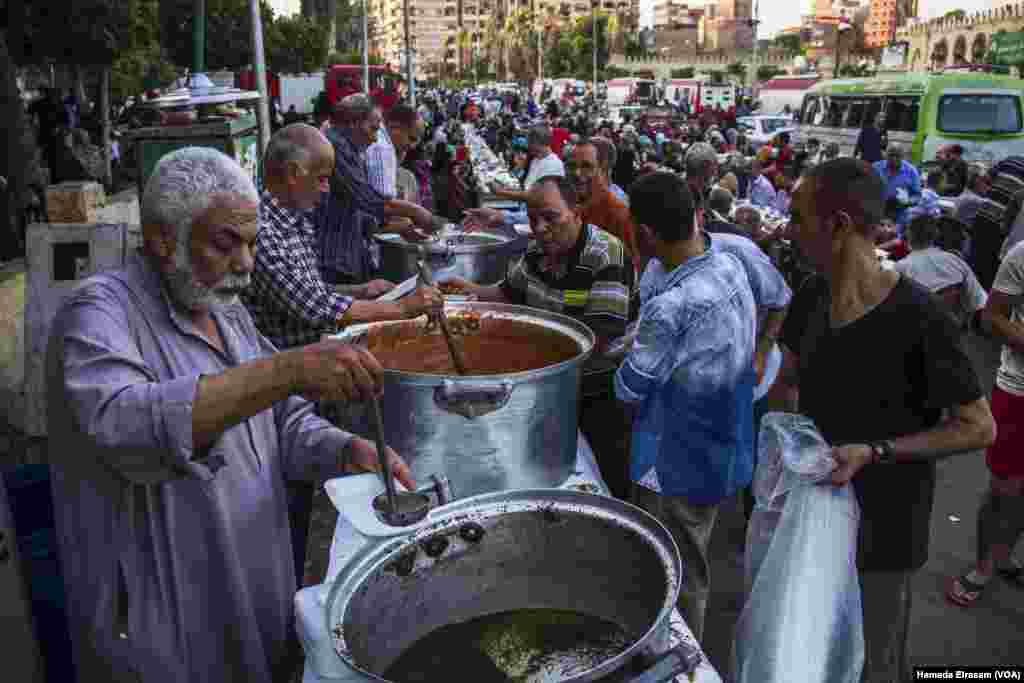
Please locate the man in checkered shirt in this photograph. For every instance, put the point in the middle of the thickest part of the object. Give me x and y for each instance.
(288, 298)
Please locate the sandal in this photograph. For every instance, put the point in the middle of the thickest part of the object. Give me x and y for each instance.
(1014, 575)
(963, 592)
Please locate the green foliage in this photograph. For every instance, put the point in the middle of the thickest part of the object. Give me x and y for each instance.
(572, 53)
(954, 14)
(854, 71)
(790, 42)
(715, 76)
(296, 44)
(737, 70)
(767, 72)
(143, 64)
(685, 72)
(79, 32)
(351, 57)
(228, 31)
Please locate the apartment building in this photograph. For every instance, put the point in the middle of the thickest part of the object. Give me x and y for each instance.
(882, 22)
(434, 25)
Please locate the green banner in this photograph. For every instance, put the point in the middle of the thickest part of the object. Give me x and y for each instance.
(1007, 48)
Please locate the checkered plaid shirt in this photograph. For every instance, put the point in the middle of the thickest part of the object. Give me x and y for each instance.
(288, 299)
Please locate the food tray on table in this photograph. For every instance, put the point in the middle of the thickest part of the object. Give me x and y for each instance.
(323, 665)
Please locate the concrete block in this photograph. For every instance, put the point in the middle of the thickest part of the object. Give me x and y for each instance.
(60, 257)
(74, 202)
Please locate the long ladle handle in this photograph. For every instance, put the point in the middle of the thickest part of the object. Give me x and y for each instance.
(382, 457)
(428, 280)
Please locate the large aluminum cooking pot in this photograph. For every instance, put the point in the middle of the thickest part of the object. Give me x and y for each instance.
(515, 550)
(480, 256)
(484, 432)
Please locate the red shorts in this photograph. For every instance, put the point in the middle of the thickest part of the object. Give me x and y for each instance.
(1005, 458)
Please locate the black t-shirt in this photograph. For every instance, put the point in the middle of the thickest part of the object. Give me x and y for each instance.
(888, 374)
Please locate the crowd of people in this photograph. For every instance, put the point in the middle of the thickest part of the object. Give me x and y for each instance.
(722, 282)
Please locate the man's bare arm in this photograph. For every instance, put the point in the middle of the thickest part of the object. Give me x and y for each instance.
(230, 397)
(967, 427)
(998, 321)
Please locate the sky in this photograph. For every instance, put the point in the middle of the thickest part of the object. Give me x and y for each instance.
(286, 7)
(778, 14)
(775, 14)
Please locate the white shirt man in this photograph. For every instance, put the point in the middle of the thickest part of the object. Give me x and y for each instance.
(382, 164)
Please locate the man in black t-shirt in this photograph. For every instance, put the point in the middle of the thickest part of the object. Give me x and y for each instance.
(880, 370)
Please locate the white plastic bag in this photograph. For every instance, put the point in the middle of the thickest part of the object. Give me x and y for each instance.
(802, 620)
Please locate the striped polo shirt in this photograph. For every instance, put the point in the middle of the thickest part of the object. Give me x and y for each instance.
(597, 286)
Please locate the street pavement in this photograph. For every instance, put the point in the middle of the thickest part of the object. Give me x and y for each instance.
(990, 633)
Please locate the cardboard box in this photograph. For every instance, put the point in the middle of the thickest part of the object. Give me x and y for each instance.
(75, 202)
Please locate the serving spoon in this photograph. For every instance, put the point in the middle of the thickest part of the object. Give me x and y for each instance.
(428, 279)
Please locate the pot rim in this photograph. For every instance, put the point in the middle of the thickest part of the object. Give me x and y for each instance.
(576, 330)
(503, 238)
(372, 556)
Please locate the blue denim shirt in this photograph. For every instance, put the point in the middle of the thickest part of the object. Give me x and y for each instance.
(690, 376)
(908, 179)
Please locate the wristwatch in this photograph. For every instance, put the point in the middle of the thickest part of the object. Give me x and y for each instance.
(882, 452)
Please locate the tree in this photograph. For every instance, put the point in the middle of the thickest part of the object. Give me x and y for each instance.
(228, 30)
(352, 57)
(297, 44)
(767, 72)
(75, 32)
(954, 14)
(324, 14)
(738, 70)
(790, 42)
(854, 71)
(685, 72)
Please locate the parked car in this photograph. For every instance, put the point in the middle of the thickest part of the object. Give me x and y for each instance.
(761, 130)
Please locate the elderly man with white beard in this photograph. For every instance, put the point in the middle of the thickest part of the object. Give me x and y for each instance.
(173, 427)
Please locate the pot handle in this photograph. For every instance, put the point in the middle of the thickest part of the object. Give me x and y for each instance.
(684, 658)
(472, 400)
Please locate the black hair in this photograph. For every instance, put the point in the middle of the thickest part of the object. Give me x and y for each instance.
(402, 115)
(564, 186)
(922, 232)
(539, 135)
(849, 185)
(663, 202)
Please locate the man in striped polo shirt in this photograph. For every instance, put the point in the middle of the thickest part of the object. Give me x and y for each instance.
(584, 272)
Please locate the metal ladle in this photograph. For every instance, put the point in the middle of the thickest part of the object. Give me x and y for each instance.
(397, 508)
(428, 279)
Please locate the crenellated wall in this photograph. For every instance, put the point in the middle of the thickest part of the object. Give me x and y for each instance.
(948, 42)
(662, 67)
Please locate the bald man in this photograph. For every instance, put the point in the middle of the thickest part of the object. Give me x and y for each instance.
(288, 299)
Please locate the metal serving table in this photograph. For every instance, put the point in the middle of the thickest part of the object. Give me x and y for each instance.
(323, 665)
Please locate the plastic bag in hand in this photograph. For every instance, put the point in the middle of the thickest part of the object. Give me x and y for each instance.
(803, 619)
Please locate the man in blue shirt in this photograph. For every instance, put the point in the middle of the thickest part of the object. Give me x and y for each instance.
(898, 174)
(690, 377)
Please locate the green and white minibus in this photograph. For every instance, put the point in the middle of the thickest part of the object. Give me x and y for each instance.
(982, 112)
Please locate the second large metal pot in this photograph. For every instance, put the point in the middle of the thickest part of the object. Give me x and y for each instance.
(480, 257)
(501, 552)
(491, 432)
